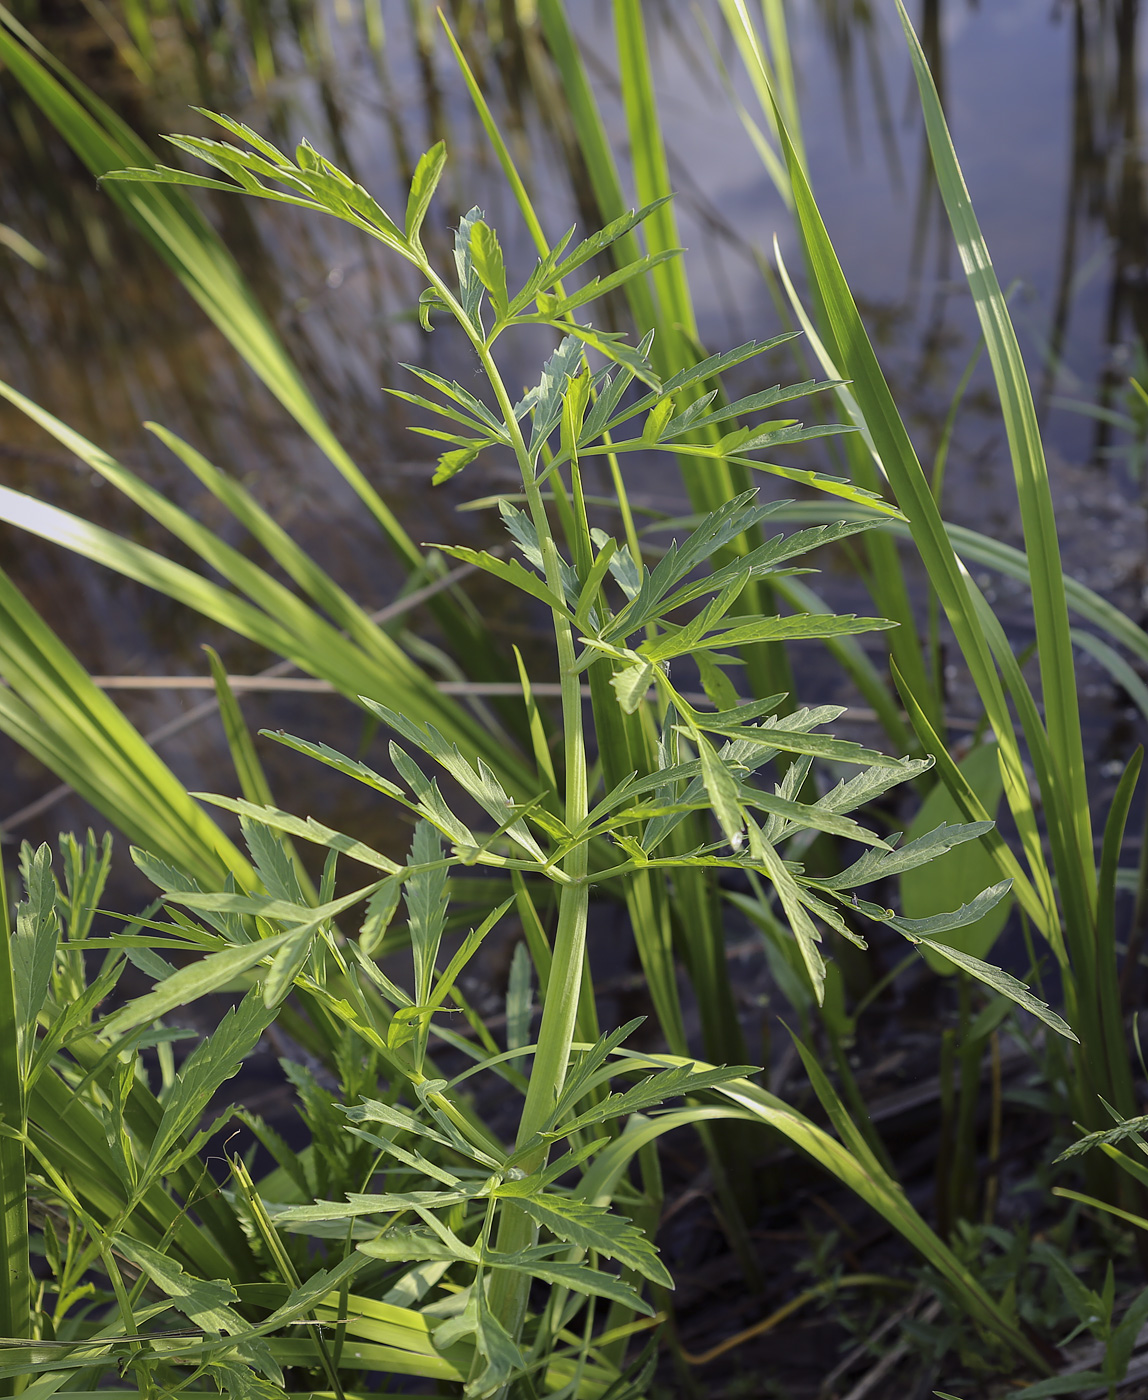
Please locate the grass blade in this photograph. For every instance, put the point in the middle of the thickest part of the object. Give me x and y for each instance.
(1054, 645)
(850, 355)
(248, 769)
(15, 1271)
(55, 711)
(275, 617)
(652, 182)
(185, 240)
(1109, 1014)
(596, 152)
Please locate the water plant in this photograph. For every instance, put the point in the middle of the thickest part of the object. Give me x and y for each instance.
(479, 1204)
(669, 766)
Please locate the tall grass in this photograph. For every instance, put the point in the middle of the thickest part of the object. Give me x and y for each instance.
(668, 768)
(491, 1215)
(1060, 897)
(659, 298)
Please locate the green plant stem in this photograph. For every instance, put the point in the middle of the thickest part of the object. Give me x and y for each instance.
(557, 1030)
(127, 1314)
(14, 1279)
(509, 1290)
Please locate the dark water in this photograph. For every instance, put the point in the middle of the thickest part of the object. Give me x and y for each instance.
(1045, 103)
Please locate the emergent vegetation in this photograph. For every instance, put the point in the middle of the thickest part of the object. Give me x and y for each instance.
(422, 1228)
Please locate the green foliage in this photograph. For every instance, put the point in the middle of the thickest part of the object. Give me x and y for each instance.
(454, 1198)
(408, 1237)
(445, 1178)
(927, 890)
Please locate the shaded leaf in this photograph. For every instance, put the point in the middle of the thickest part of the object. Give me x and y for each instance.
(380, 911)
(519, 999)
(631, 685)
(286, 965)
(723, 789)
(578, 1277)
(34, 941)
(488, 264)
(407, 1243)
(654, 1091)
(508, 570)
(451, 463)
(425, 896)
(959, 878)
(206, 1303)
(558, 369)
(469, 285)
(874, 865)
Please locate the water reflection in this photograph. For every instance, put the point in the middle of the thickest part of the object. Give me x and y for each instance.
(102, 336)
(1105, 200)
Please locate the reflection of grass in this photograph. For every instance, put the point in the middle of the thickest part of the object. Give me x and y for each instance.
(260, 38)
(690, 769)
(1130, 420)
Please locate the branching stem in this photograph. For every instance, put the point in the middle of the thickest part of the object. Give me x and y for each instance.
(508, 1292)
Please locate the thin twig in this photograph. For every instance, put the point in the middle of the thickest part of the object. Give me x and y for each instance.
(767, 1324)
(865, 1348)
(310, 685)
(890, 1359)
